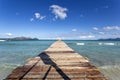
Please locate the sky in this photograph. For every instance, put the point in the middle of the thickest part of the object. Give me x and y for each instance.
(65, 19)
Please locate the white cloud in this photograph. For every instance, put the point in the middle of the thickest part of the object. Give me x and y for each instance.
(101, 33)
(59, 11)
(112, 28)
(8, 34)
(95, 28)
(31, 19)
(74, 30)
(83, 37)
(38, 16)
(87, 37)
(42, 17)
(90, 36)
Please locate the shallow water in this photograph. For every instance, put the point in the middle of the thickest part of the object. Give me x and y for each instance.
(15, 53)
(103, 54)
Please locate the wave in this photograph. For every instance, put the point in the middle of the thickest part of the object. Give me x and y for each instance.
(110, 66)
(111, 71)
(8, 65)
(6, 69)
(100, 43)
(2, 40)
(109, 44)
(80, 43)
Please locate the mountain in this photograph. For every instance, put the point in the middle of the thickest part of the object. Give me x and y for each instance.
(19, 39)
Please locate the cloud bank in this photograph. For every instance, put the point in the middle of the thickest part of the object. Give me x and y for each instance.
(8, 34)
(112, 28)
(74, 30)
(95, 28)
(87, 37)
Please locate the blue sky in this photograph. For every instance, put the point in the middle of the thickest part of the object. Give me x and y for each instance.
(66, 19)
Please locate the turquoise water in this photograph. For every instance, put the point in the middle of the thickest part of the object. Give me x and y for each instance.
(103, 54)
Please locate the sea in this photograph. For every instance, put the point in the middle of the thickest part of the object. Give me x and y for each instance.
(103, 54)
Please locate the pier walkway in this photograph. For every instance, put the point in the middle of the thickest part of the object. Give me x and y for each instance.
(58, 62)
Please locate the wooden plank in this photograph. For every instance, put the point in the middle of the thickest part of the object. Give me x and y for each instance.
(58, 62)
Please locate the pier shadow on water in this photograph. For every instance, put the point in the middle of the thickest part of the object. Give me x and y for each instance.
(48, 61)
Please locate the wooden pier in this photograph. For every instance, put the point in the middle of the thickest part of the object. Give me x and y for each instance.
(58, 62)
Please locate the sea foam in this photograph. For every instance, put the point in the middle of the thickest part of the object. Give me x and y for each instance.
(100, 43)
(2, 40)
(80, 43)
(109, 44)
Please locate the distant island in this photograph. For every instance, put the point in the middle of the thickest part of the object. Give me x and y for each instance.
(34, 39)
(19, 39)
(110, 39)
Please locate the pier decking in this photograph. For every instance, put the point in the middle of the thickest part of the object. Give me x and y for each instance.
(58, 62)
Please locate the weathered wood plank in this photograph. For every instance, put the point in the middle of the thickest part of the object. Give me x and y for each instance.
(58, 62)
